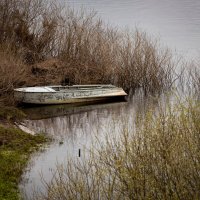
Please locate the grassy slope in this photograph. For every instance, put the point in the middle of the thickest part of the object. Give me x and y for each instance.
(15, 149)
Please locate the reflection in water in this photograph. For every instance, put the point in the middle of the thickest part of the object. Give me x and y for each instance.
(50, 111)
(76, 131)
(80, 118)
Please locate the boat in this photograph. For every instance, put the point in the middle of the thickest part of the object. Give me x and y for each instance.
(67, 94)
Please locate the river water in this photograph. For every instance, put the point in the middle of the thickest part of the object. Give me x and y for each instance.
(73, 127)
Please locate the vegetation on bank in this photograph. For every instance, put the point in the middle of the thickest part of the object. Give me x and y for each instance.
(15, 149)
(158, 159)
(42, 43)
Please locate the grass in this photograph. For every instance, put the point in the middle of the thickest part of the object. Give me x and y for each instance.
(158, 159)
(15, 149)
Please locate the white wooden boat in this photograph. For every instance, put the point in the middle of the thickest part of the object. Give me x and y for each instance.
(66, 94)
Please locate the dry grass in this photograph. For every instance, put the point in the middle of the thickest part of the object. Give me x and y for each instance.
(160, 159)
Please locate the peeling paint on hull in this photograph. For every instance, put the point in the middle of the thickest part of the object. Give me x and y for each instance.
(72, 94)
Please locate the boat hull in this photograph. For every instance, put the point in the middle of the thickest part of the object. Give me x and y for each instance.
(66, 97)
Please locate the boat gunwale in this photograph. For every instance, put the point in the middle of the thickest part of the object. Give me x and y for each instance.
(67, 90)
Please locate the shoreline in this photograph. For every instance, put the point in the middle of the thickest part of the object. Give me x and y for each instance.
(16, 147)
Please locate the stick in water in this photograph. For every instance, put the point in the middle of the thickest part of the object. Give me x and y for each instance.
(79, 152)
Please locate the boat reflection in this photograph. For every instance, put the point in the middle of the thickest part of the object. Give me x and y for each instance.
(44, 112)
(68, 121)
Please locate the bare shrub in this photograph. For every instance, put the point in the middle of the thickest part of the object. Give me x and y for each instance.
(89, 47)
(104, 55)
(192, 79)
(30, 25)
(12, 74)
(143, 63)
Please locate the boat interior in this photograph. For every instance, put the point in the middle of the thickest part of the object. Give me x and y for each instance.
(81, 87)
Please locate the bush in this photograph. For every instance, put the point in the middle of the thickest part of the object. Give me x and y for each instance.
(12, 74)
(160, 159)
(89, 50)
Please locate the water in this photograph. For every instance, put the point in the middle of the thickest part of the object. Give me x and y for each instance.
(176, 22)
(73, 128)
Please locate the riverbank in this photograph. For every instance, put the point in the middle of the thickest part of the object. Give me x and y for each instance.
(16, 147)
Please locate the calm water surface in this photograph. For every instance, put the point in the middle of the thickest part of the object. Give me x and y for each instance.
(176, 22)
(74, 128)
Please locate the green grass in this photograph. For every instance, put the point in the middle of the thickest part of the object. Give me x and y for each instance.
(15, 149)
